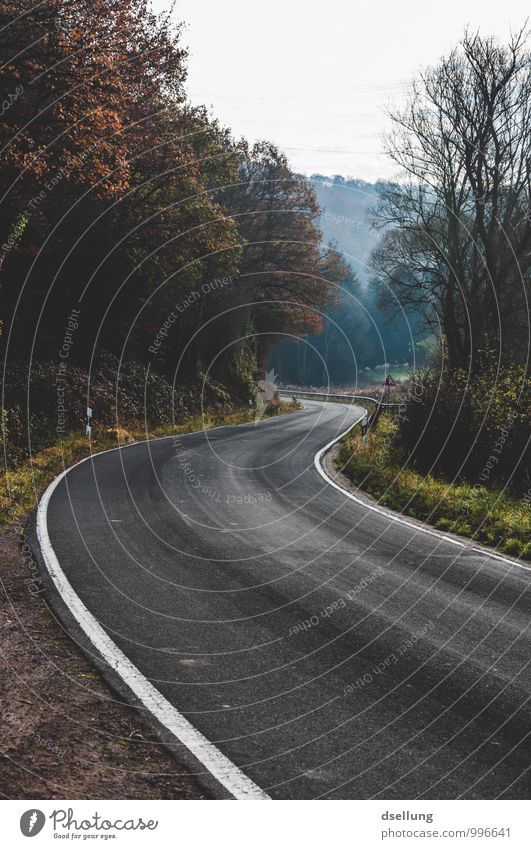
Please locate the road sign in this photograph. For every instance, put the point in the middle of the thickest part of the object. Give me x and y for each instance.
(389, 381)
(89, 412)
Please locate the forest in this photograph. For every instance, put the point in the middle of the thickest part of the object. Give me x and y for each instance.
(179, 250)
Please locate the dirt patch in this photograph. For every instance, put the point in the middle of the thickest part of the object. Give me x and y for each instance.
(63, 733)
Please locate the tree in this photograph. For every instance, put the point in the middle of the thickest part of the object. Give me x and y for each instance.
(107, 175)
(88, 75)
(287, 275)
(458, 239)
(125, 201)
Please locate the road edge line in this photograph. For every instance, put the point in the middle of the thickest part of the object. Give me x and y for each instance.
(483, 550)
(218, 765)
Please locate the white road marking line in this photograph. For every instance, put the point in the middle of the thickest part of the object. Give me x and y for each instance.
(485, 552)
(239, 785)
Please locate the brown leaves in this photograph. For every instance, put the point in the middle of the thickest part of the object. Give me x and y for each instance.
(100, 63)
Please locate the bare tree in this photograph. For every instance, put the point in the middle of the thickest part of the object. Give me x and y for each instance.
(457, 240)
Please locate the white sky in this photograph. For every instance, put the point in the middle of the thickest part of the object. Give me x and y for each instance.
(315, 76)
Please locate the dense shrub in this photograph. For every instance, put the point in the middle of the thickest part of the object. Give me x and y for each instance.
(473, 428)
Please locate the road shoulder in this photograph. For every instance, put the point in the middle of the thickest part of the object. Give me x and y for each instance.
(328, 463)
(65, 733)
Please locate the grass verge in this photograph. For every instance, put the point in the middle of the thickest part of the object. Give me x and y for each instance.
(489, 516)
(24, 484)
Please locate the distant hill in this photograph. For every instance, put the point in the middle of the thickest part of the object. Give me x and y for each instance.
(359, 342)
(345, 204)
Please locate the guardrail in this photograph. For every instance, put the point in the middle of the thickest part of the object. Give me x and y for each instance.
(329, 396)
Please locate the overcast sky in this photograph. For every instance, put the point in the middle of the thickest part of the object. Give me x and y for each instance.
(315, 76)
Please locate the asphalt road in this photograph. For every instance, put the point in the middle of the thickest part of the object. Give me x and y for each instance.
(325, 649)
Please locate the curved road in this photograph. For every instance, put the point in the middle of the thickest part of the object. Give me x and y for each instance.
(325, 649)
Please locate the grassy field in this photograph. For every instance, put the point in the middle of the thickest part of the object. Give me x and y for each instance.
(489, 516)
(376, 376)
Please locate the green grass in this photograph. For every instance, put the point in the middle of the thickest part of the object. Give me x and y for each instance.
(376, 376)
(489, 516)
(24, 485)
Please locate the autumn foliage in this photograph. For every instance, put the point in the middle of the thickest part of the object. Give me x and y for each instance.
(121, 199)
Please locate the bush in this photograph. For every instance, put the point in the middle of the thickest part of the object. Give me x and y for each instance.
(512, 546)
(471, 428)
